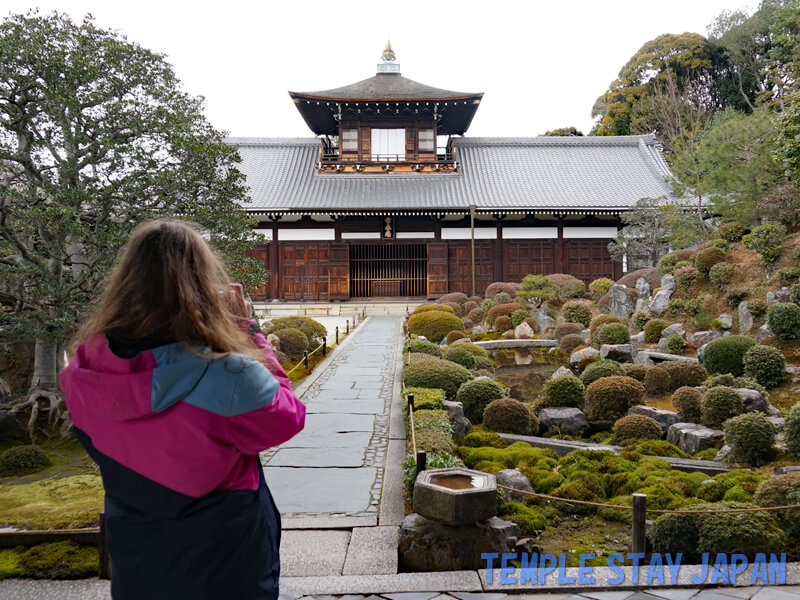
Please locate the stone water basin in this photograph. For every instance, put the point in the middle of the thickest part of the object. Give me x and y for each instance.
(456, 496)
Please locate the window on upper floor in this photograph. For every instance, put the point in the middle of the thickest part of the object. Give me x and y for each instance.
(388, 144)
(426, 141)
(349, 140)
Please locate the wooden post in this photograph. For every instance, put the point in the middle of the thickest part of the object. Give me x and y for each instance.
(337, 334)
(324, 346)
(103, 557)
(347, 326)
(410, 399)
(638, 539)
(421, 462)
(305, 359)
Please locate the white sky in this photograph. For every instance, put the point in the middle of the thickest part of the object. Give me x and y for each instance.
(541, 64)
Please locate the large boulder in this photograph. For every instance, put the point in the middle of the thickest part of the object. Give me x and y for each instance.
(619, 352)
(665, 418)
(577, 356)
(674, 329)
(514, 478)
(725, 320)
(701, 338)
(642, 287)
(659, 302)
(571, 421)
(745, 318)
(763, 333)
(782, 295)
(668, 283)
(619, 303)
(543, 320)
(561, 372)
(455, 412)
(524, 331)
(691, 437)
(753, 400)
(426, 545)
(10, 427)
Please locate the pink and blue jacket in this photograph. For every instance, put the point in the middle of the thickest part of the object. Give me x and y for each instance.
(177, 437)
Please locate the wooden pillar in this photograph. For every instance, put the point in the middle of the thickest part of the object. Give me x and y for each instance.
(561, 261)
(498, 253)
(273, 289)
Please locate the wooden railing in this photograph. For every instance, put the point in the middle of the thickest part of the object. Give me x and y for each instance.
(422, 157)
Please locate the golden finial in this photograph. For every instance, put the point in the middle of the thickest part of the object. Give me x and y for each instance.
(388, 53)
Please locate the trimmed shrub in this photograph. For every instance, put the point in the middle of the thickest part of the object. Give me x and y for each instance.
(505, 310)
(531, 521)
(728, 380)
(687, 401)
(791, 430)
(478, 439)
(720, 274)
(425, 398)
(454, 335)
(569, 342)
(765, 364)
(676, 307)
(474, 349)
(461, 356)
(736, 295)
(459, 298)
(601, 368)
(656, 381)
(782, 490)
(424, 346)
(428, 307)
(502, 323)
(676, 344)
(442, 374)
(566, 329)
(640, 319)
(653, 329)
(599, 288)
(487, 305)
(767, 240)
(577, 311)
(757, 306)
(637, 371)
(434, 440)
(469, 306)
(708, 257)
(434, 324)
(751, 438)
(538, 287)
(731, 232)
(565, 390)
(420, 356)
(720, 404)
(314, 331)
(794, 292)
(685, 276)
(475, 315)
(476, 395)
(568, 286)
(518, 316)
(293, 342)
(783, 319)
(484, 364)
(501, 298)
(683, 373)
(457, 311)
(609, 398)
(598, 322)
(507, 415)
(636, 427)
(468, 324)
(725, 354)
(21, 460)
(658, 448)
(669, 262)
(612, 333)
(499, 286)
(434, 460)
(789, 275)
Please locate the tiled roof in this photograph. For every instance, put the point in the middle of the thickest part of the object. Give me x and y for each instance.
(385, 86)
(537, 174)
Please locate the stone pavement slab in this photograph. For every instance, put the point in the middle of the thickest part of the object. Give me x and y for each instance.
(312, 490)
(318, 551)
(676, 594)
(377, 584)
(607, 595)
(29, 589)
(321, 439)
(372, 550)
(337, 423)
(369, 406)
(328, 522)
(312, 457)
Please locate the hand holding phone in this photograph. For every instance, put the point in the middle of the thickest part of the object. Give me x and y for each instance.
(237, 304)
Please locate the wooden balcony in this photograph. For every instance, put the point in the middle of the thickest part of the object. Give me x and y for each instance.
(351, 162)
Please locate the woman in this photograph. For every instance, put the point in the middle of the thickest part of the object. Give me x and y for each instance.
(174, 391)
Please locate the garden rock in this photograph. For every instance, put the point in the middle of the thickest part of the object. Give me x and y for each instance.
(586, 335)
(619, 303)
(642, 287)
(763, 333)
(618, 352)
(478, 329)
(642, 305)
(10, 427)
(663, 417)
(745, 318)
(701, 338)
(725, 320)
(543, 320)
(660, 301)
(723, 454)
(567, 420)
(561, 372)
(779, 422)
(772, 411)
(753, 400)
(691, 437)
(787, 469)
(274, 341)
(464, 339)
(523, 330)
(577, 356)
(514, 478)
(455, 413)
(668, 282)
(674, 329)
(638, 338)
(649, 358)
(782, 295)
(426, 545)
(527, 545)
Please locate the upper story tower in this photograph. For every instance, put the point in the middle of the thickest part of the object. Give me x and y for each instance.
(387, 123)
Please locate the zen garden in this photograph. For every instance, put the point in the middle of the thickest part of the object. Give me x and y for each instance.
(646, 404)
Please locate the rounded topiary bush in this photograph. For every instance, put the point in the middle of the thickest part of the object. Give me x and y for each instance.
(461, 356)
(293, 342)
(757, 306)
(474, 349)
(599, 288)
(656, 381)
(676, 344)
(653, 329)
(501, 298)
(577, 311)
(459, 298)
(751, 438)
(687, 401)
(475, 315)
(502, 323)
(783, 319)
(314, 331)
(640, 319)
(506, 415)
(725, 354)
(601, 368)
(428, 307)
(21, 460)
(518, 316)
(598, 322)
(476, 395)
(434, 324)
(568, 343)
(683, 373)
(424, 346)
(637, 371)
(636, 427)
(720, 274)
(782, 490)
(457, 311)
(565, 390)
(566, 329)
(505, 310)
(708, 257)
(720, 404)
(442, 374)
(609, 398)
(731, 232)
(612, 333)
(454, 335)
(477, 439)
(791, 430)
(765, 364)
(669, 262)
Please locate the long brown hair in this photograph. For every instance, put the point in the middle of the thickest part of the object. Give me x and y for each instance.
(167, 287)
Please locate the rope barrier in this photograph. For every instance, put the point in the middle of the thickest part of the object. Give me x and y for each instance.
(304, 359)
